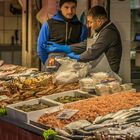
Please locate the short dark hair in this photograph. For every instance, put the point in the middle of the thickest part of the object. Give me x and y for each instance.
(61, 2)
(97, 12)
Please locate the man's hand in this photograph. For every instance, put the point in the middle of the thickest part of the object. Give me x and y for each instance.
(54, 47)
(74, 56)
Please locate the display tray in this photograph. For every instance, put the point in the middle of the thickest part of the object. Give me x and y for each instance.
(15, 113)
(34, 120)
(68, 96)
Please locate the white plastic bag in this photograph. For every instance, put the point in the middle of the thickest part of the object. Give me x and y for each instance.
(71, 71)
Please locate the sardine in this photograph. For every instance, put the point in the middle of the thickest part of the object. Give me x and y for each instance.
(133, 119)
(123, 115)
(77, 125)
(99, 126)
(137, 108)
(135, 114)
(77, 137)
(103, 118)
(82, 132)
(119, 113)
(62, 133)
(97, 119)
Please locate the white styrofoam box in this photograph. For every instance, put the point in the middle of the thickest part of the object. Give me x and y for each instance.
(71, 93)
(23, 116)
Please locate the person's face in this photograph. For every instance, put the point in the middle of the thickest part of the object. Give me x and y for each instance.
(93, 23)
(68, 9)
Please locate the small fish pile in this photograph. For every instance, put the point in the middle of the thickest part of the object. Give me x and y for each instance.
(68, 99)
(34, 107)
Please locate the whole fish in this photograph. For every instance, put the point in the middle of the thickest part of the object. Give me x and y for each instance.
(99, 126)
(82, 132)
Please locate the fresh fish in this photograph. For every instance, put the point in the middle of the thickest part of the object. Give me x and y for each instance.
(135, 114)
(116, 137)
(99, 126)
(77, 137)
(109, 115)
(101, 119)
(62, 133)
(90, 138)
(109, 121)
(117, 132)
(137, 108)
(82, 132)
(123, 115)
(133, 119)
(97, 119)
(126, 125)
(119, 113)
(77, 125)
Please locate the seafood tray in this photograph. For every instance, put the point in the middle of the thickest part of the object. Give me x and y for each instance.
(68, 96)
(15, 113)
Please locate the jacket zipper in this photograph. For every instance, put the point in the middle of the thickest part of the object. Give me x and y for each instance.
(66, 37)
(68, 32)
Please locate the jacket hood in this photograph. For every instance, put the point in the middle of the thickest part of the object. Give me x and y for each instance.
(59, 17)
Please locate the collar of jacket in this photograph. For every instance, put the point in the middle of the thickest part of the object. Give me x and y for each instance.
(58, 16)
(100, 28)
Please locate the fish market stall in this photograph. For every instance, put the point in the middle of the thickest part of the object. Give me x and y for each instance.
(69, 104)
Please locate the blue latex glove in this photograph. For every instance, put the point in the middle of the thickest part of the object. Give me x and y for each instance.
(74, 56)
(58, 47)
(49, 48)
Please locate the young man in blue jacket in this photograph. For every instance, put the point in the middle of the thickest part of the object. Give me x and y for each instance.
(62, 29)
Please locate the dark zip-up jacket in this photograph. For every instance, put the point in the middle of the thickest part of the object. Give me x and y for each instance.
(58, 30)
(108, 42)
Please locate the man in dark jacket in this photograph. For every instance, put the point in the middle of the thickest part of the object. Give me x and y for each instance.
(63, 28)
(106, 39)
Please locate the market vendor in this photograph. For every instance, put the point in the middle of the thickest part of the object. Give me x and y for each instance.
(105, 39)
(64, 28)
